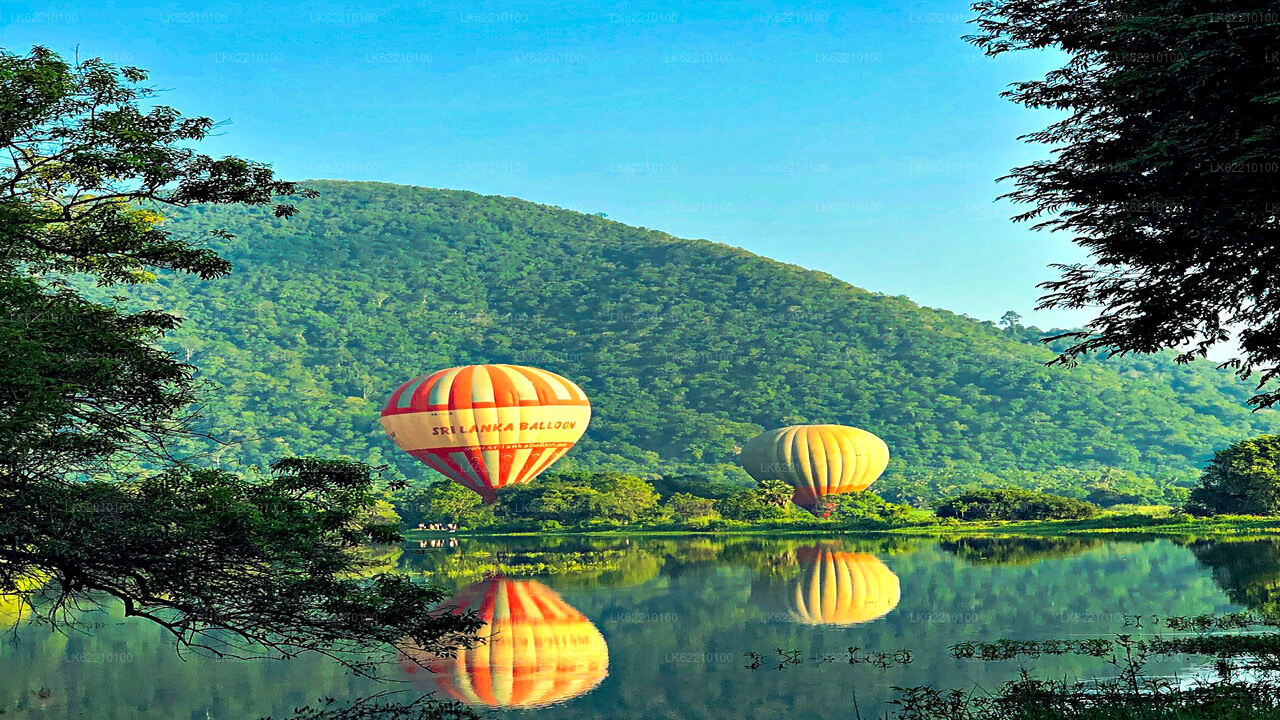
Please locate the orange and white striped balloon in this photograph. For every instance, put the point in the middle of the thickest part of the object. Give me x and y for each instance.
(487, 426)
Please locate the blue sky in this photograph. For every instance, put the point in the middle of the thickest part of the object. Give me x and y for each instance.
(861, 138)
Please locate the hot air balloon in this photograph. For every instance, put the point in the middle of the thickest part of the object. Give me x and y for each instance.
(536, 649)
(487, 426)
(841, 588)
(816, 460)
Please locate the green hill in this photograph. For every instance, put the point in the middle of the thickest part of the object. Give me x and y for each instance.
(687, 347)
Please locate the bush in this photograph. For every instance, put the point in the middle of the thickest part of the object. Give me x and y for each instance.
(1014, 504)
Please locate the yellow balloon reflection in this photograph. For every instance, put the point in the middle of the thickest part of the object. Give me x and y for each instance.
(537, 650)
(15, 607)
(841, 588)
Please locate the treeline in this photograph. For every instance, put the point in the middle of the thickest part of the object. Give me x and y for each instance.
(589, 500)
(611, 499)
(596, 501)
(687, 349)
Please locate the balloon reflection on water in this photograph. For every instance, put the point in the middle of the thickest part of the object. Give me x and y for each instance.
(536, 649)
(841, 588)
(15, 607)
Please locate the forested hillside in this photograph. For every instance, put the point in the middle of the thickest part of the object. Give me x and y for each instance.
(686, 347)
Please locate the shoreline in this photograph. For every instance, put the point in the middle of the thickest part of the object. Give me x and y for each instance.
(1112, 526)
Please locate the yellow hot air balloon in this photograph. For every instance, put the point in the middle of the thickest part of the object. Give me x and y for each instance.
(487, 426)
(842, 588)
(816, 460)
(536, 649)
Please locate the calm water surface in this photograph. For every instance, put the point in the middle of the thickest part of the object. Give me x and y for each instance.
(663, 628)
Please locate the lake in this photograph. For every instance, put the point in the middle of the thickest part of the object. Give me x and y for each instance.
(664, 627)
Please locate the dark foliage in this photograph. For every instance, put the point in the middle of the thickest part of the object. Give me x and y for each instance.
(92, 506)
(1016, 551)
(667, 486)
(1248, 571)
(1243, 479)
(384, 707)
(1014, 504)
(1164, 168)
(750, 505)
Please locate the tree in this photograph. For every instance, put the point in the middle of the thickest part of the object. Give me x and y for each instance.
(624, 498)
(1011, 320)
(1106, 497)
(697, 485)
(92, 503)
(581, 497)
(748, 506)
(687, 508)
(1243, 479)
(868, 507)
(776, 493)
(1014, 504)
(1163, 168)
(443, 501)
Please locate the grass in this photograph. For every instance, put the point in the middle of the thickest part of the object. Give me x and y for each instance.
(1246, 681)
(1244, 650)
(1110, 523)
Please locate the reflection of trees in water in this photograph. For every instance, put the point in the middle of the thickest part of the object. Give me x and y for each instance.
(619, 562)
(1248, 571)
(1016, 551)
(379, 558)
(581, 561)
(687, 554)
(714, 611)
(535, 649)
(634, 567)
(784, 559)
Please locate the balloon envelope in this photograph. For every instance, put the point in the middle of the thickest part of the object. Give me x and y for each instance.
(842, 588)
(536, 649)
(487, 426)
(816, 460)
